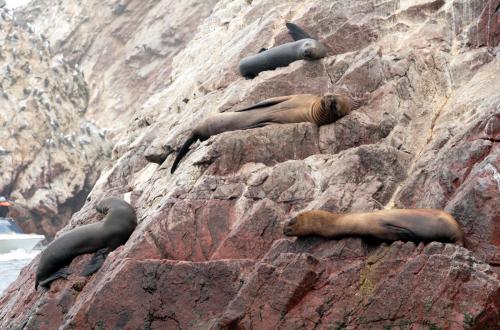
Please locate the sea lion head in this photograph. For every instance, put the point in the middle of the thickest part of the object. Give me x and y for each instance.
(336, 105)
(107, 203)
(312, 49)
(293, 226)
(116, 204)
(306, 223)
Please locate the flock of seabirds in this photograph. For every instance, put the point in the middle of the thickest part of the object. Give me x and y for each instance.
(418, 225)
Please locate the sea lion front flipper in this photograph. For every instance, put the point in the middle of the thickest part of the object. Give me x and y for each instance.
(265, 103)
(259, 125)
(400, 233)
(262, 50)
(61, 273)
(96, 262)
(297, 33)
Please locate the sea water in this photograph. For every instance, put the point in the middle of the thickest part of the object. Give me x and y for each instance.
(11, 264)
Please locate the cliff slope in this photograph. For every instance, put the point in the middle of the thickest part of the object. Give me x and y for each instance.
(50, 154)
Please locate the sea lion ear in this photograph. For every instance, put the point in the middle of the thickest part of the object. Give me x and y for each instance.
(296, 32)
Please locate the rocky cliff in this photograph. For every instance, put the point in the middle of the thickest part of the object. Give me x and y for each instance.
(209, 250)
(50, 154)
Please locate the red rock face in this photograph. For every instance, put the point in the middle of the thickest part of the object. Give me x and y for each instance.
(208, 252)
(394, 286)
(487, 30)
(163, 294)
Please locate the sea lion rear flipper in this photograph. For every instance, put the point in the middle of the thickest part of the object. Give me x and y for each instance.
(61, 273)
(265, 103)
(297, 33)
(96, 262)
(262, 50)
(183, 151)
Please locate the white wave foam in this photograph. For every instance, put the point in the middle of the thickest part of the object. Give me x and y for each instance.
(19, 254)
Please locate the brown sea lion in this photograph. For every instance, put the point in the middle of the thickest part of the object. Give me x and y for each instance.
(101, 237)
(419, 225)
(320, 110)
(305, 47)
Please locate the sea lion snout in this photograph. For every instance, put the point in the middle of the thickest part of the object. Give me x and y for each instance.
(339, 105)
(330, 104)
(102, 209)
(288, 230)
(313, 50)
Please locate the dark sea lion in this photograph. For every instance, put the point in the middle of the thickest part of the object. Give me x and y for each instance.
(101, 237)
(419, 225)
(304, 47)
(320, 110)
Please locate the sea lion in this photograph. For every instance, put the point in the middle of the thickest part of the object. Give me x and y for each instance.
(304, 47)
(103, 237)
(419, 225)
(320, 110)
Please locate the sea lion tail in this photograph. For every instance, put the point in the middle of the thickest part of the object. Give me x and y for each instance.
(183, 151)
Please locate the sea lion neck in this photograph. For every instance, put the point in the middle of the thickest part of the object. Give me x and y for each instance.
(317, 220)
(336, 225)
(349, 225)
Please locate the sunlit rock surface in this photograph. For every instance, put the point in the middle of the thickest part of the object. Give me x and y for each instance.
(209, 251)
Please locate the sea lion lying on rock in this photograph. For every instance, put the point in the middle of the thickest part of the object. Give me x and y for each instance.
(419, 225)
(305, 47)
(101, 237)
(320, 110)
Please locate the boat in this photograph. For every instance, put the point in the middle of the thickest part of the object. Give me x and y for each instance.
(13, 238)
